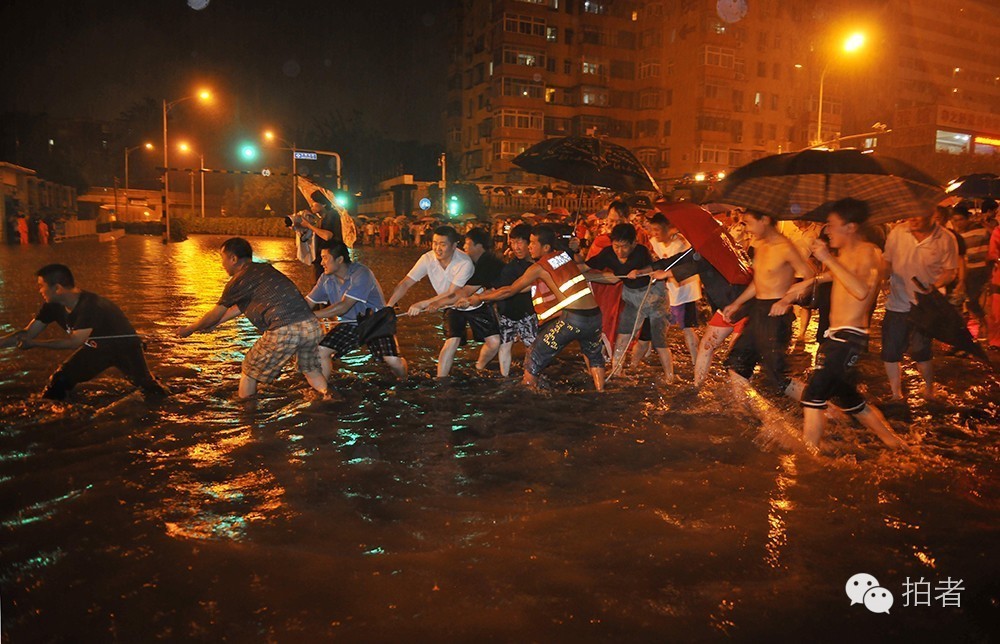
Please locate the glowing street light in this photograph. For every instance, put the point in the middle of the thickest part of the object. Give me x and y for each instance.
(184, 147)
(853, 43)
(204, 96)
(128, 150)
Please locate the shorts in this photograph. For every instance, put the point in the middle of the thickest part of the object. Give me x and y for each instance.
(899, 336)
(765, 341)
(834, 376)
(653, 312)
(719, 321)
(685, 315)
(482, 321)
(526, 328)
(554, 335)
(276, 347)
(344, 338)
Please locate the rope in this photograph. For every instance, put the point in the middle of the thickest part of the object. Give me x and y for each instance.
(638, 320)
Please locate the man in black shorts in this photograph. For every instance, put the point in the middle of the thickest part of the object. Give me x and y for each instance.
(481, 319)
(98, 330)
(349, 291)
(769, 329)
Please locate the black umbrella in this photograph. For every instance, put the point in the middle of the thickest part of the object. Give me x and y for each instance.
(376, 324)
(587, 161)
(975, 186)
(802, 185)
(938, 319)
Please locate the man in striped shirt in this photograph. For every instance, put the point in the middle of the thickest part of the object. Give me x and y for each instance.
(977, 273)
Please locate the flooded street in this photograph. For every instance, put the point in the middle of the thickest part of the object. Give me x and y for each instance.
(466, 510)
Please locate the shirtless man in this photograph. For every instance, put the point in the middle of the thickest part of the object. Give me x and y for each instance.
(565, 306)
(856, 275)
(769, 330)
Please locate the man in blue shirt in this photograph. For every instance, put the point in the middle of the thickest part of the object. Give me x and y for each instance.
(347, 290)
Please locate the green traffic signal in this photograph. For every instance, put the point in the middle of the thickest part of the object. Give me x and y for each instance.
(248, 152)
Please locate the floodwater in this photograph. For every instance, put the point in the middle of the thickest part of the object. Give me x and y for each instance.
(465, 510)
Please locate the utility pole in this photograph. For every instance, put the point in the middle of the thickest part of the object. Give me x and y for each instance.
(443, 162)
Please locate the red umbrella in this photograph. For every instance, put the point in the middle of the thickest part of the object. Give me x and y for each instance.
(709, 239)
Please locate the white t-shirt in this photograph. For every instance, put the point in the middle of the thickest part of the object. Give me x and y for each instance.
(926, 260)
(690, 289)
(457, 273)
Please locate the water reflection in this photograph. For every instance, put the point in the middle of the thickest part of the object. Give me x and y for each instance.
(472, 504)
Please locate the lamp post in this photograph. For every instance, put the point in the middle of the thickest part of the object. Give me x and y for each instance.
(853, 43)
(128, 150)
(203, 95)
(291, 147)
(184, 147)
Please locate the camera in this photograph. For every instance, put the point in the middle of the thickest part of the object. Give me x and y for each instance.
(296, 219)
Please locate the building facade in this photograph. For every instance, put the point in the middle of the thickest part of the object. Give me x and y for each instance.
(693, 86)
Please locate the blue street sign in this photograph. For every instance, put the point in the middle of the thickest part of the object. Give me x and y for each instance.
(309, 156)
(425, 204)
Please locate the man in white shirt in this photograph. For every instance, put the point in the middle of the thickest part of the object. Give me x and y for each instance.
(447, 269)
(917, 248)
(666, 241)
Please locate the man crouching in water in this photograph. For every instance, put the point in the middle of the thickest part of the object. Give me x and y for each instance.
(565, 306)
(856, 274)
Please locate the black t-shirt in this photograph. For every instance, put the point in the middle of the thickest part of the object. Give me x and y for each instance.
(266, 296)
(331, 221)
(637, 259)
(517, 306)
(487, 271)
(92, 312)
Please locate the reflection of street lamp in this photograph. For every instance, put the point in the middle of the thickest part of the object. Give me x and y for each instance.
(184, 147)
(291, 147)
(203, 95)
(853, 43)
(148, 146)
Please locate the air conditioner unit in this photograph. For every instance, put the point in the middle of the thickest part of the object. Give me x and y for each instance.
(738, 138)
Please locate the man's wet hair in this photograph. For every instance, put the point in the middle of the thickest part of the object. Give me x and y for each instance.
(53, 274)
(449, 232)
(339, 249)
(521, 231)
(760, 215)
(659, 219)
(238, 248)
(480, 237)
(318, 197)
(545, 235)
(852, 211)
(623, 233)
(620, 206)
(989, 205)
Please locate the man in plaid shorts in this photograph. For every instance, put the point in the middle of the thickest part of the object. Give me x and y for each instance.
(348, 289)
(274, 305)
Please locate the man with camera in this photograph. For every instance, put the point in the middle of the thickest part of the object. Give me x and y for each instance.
(322, 223)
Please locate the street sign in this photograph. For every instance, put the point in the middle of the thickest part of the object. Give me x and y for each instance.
(309, 156)
(266, 172)
(425, 204)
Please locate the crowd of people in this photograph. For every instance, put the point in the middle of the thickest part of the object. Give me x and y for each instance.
(553, 289)
(24, 230)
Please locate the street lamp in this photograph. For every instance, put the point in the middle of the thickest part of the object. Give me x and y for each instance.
(203, 95)
(184, 147)
(853, 43)
(128, 150)
(291, 147)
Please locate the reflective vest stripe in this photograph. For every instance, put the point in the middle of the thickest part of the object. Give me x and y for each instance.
(561, 305)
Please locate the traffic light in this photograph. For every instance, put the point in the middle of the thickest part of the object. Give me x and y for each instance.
(248, 152)
(342, 199)
(453, 206)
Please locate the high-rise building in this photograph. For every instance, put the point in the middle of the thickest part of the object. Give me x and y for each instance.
(691, 86)
(703, 86)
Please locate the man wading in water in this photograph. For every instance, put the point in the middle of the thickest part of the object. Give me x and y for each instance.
(98, 330)
(856, 274)
(769, 329)
(274, 305)
(565, 306)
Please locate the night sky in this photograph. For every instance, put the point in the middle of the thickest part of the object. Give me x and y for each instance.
(279, 64)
